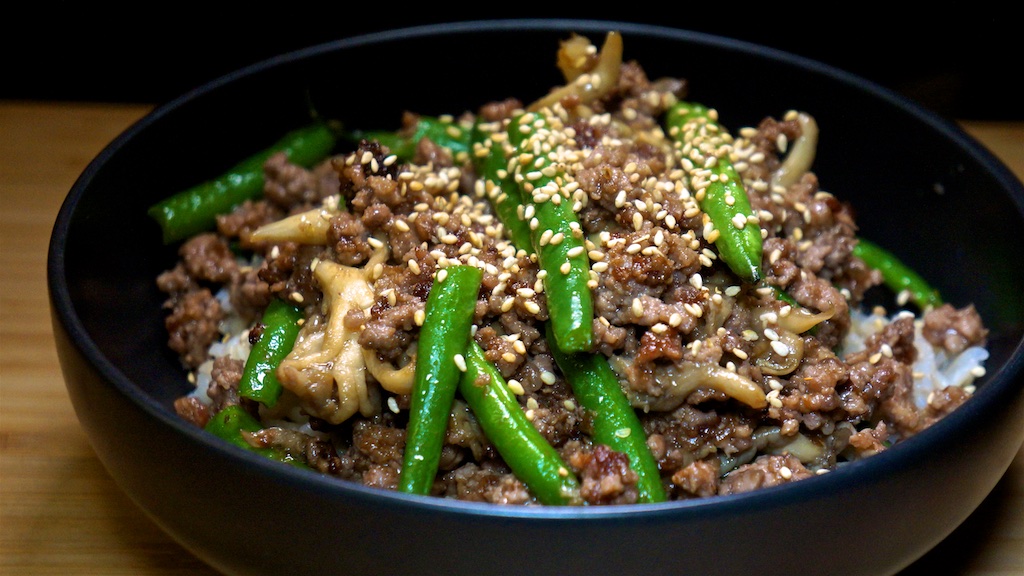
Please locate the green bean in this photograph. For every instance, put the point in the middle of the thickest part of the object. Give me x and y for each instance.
(897, 276)
(704, 146)
(442, 131)
(448, 319)
(281, 323)
(531, 458)
(500, 188)
(232, 421)
(615, 422)
(196, 209)
(555, 231)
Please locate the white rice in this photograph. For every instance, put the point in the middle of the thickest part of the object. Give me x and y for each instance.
(934, 369)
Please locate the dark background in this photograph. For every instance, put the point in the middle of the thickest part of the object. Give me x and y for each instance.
(959, 59)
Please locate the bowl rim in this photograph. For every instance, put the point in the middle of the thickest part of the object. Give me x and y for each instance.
(999, 384)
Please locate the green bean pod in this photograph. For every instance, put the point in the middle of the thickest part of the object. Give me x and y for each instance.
(615, 422)
(195, 209)
(500, 188)
(442, 131)
(281, 323)
(230, 422)
(704, 146)
(555, 232)
(897, 275)
(521, 445)
(444, 336)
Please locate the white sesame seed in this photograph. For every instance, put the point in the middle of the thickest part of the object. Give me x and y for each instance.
(638, 307)
(460, 362)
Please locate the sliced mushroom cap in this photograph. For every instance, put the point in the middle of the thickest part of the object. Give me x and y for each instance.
(801, 153)
(325, 369)
(591, 85)
(679, 380)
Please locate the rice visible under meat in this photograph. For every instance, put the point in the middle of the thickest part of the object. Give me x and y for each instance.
(935, 368)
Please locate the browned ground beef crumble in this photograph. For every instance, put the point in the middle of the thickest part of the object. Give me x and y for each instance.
(828, 409)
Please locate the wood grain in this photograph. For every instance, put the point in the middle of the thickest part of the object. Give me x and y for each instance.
(60, 513)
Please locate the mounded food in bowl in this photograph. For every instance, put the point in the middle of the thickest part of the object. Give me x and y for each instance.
(639, 320)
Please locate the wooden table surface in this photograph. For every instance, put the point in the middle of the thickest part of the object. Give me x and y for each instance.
(60, 513)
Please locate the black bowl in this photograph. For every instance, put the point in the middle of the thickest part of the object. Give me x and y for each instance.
(919, 184)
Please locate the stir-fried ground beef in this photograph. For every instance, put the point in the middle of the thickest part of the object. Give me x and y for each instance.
(680, 330)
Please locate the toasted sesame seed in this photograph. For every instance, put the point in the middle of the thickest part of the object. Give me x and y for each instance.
(516, 387)
(418, 317)
(638, 307)
(780, 348)
(547, 377)
(785, 472)
(782, 142)
(460, 362)
(508, 357)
